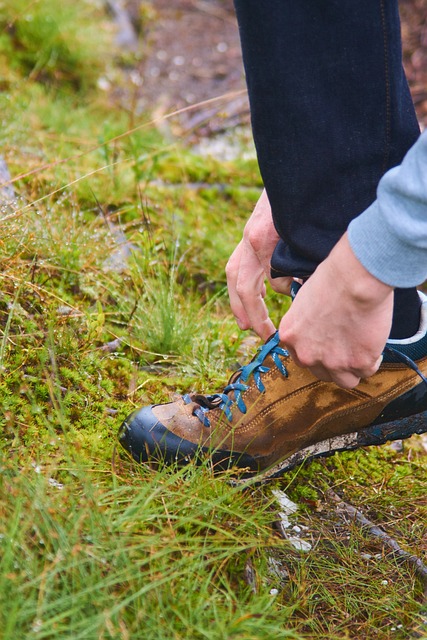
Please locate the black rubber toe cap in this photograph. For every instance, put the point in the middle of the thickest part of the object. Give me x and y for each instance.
(146, 438)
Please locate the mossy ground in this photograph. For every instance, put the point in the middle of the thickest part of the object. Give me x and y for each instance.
(113, 295)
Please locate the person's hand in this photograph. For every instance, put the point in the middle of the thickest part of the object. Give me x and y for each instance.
(340, 320)
(249, 267)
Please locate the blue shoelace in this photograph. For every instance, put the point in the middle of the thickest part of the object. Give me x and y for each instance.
(402, 357)
(255, 368)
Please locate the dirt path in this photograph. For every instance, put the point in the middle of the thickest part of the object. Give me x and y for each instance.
(190, 52)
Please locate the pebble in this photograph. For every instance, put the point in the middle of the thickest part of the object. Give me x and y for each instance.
(299, 545)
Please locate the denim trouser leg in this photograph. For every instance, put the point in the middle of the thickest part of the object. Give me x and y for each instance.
(331, 112)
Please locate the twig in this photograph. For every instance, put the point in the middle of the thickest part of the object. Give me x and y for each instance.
(196, 186)
(344, 508)
(212, 10)
(112, 346)
(249, 575)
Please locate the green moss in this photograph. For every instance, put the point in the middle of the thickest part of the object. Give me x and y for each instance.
(83, 343)
(63, 47)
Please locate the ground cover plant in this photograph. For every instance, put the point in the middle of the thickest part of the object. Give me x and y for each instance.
(112, 296)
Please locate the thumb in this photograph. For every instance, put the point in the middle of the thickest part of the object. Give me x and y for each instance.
(281, 285)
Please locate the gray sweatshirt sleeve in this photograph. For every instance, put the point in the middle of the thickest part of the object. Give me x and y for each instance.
(390, 237)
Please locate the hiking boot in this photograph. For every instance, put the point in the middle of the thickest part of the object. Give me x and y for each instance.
(272, 415)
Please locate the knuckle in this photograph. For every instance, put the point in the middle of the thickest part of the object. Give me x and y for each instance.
(230, 269)
(368, 371)
(304, 362)
(364, 366)
(287, 337)
(241, 289)
(254, 237)
(333, 364)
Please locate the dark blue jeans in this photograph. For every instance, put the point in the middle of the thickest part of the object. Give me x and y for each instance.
(331, 113)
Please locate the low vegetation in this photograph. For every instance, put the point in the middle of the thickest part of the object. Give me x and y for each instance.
(113, 295)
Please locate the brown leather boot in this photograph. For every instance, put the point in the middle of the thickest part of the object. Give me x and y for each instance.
(273, 414)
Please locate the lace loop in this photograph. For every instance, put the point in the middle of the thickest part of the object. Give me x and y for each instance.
(406, 360)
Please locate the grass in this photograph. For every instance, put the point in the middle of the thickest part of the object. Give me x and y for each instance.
(107, 559)
(113, 295)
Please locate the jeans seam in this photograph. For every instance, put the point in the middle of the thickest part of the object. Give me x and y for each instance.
(387, 88)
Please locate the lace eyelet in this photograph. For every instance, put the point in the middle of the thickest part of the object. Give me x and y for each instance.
(255, 368)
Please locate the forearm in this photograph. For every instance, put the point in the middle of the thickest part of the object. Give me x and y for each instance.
(390, 237)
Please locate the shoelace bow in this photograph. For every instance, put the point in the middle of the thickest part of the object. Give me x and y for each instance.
(239, 384)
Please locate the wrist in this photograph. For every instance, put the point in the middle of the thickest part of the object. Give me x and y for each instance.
(357, 283)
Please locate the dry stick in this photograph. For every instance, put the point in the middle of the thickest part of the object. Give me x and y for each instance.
(417, 564)
(215, 12)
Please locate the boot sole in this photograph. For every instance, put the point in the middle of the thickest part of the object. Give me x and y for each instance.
(374, 435)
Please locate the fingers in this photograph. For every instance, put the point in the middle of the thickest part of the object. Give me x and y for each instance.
(344, 379)
(347, 377)
(249, 267)
(246, 289)
(231, 272)
(333, 329)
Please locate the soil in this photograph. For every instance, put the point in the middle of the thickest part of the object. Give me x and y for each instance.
(191, 53)
(414, 40)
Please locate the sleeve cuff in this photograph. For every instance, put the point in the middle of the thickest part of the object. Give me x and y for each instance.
(385, 255)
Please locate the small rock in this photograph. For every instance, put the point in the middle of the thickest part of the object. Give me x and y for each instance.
(299, 545)
(112, 346)
(121, 251)
(277, 570)
(288, 507)
(63, 310)
(397, 445)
